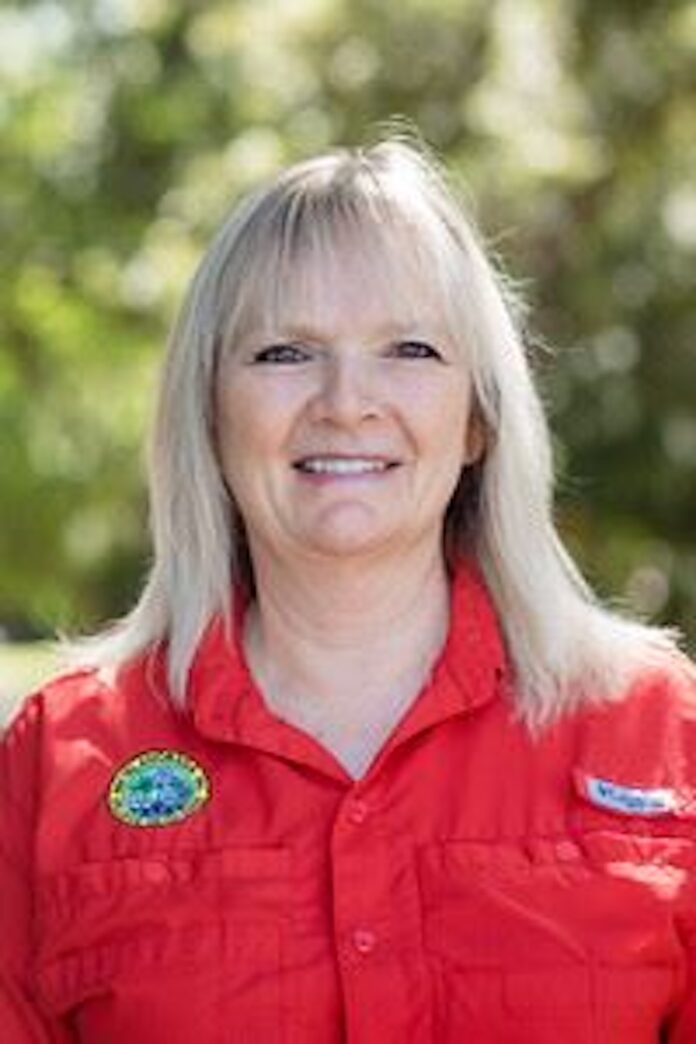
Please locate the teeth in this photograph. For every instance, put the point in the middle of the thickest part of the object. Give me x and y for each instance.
(341, 466)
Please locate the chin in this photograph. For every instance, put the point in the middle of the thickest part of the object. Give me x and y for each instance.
(347, 529)
(349, 542)
(348, 548)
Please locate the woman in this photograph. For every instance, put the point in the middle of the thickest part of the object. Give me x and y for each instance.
(367, 762)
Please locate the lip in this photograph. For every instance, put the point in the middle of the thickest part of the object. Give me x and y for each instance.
(372, 458)
(377, 467)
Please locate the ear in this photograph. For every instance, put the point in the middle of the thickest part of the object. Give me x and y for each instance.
(475, 440)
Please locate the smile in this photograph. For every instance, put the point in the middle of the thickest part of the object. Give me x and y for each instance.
(343, 465)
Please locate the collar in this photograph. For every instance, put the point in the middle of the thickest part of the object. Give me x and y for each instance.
(225, 704)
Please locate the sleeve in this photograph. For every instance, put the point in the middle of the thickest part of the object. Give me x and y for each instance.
(682, 1028)
(21, 1021)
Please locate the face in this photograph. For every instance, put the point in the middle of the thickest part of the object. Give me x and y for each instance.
(344, 424)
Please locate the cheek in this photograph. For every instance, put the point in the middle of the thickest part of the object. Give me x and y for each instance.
(445, 420)
(252, 425)
(234, 436)
(239, 419)
(227, 428)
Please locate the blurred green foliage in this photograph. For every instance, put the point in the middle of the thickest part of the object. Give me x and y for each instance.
(129, 126)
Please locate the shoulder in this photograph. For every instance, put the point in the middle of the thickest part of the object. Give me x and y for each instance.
(656, 701)
(68, 694)
(637, 752)
(68, 698)
(61, 753)
(79, 716)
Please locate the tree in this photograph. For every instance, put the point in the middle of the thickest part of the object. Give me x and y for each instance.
(129, 128)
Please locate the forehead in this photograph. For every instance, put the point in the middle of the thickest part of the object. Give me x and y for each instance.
(383, 277)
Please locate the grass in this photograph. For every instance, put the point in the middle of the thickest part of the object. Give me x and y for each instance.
(23, 666)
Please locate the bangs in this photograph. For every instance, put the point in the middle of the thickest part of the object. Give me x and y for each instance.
(360, 240)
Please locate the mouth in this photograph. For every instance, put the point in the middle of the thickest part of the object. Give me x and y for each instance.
(344, 466)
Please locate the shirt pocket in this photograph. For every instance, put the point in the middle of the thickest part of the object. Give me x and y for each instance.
(188, 944)
(543, 940)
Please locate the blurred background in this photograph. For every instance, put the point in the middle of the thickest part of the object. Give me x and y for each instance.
(128, 127)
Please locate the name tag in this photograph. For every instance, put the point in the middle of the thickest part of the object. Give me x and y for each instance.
(631, 801)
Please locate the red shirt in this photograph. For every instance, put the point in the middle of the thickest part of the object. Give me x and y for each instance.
(476, 885)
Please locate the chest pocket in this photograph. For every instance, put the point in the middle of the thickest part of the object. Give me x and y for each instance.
(551, 940)
(170, 947)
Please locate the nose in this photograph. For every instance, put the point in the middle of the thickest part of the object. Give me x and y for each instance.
(348, 393)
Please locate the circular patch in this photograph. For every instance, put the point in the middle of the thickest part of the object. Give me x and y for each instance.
(157, 788)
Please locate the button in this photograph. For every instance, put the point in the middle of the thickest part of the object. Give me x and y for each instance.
(364, 940)
(358, 811)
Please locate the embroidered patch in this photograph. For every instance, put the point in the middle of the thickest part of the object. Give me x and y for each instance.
(157, 788)
(632, 801)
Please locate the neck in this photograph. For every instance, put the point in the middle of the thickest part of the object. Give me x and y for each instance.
(319, 631)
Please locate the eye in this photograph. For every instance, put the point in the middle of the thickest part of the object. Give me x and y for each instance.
(416, 350)
(281, 353)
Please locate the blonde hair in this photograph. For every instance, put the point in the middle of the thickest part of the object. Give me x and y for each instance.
(565, 648)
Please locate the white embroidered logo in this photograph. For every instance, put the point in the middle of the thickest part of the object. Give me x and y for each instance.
(632, 801)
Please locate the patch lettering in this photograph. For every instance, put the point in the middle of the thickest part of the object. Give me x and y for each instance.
(631, 801)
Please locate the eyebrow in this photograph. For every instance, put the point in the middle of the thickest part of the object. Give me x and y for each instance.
(304, 331)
